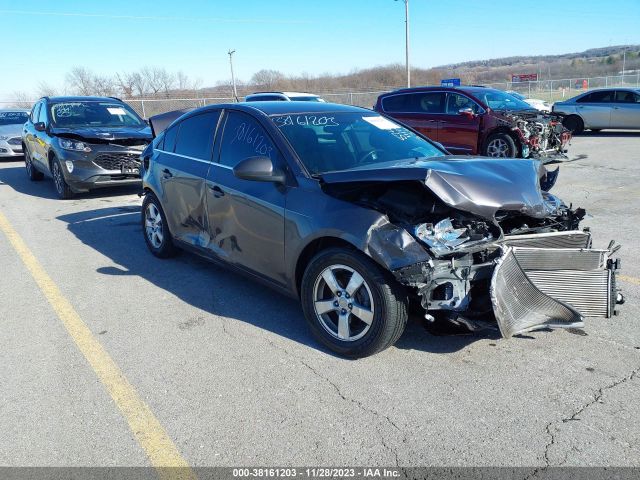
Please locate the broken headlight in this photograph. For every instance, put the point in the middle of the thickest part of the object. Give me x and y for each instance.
(74, 145)
(443, 237)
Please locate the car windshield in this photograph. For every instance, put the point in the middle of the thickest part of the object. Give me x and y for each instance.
(307, 99)
(13, 118)
(330, 141)
(497, 100)
(94, 114)
(519, 96)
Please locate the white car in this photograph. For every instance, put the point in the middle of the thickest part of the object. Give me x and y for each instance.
(536, 103)
(283, 96)
(11, 122)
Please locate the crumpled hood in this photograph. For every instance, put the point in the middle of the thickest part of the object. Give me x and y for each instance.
(138, 135)
(477, 185)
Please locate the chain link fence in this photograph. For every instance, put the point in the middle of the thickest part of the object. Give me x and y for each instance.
(549, 90)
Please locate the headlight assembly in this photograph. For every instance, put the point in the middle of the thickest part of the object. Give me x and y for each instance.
(74, 145)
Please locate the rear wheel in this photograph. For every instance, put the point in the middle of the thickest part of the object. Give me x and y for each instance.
(33, 174)
(500, 145)
(62, 187)
(154, 225)
(573, 123)
(351, 304)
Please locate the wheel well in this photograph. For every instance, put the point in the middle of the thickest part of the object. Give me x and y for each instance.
(502, 129)
(312, 249)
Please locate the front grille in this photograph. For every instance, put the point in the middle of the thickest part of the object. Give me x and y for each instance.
(15, 141)
(115, 161)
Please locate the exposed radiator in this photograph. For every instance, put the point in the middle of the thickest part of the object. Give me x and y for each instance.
(571, 239)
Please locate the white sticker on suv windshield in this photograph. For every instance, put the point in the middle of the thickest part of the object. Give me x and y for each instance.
(381, 122)
(116, 111)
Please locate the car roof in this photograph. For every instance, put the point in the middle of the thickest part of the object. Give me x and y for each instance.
(23, 110)
(288, 94)
(280, 108)
(471, 89)
(79, 98)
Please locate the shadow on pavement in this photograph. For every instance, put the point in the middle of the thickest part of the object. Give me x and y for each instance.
(14, 175)
(116, 232)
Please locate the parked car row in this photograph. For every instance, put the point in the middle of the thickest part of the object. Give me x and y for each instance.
(364, 213)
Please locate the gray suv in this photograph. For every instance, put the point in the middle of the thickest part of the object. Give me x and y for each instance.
(84, 143)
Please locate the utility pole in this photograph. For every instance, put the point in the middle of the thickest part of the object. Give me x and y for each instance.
(406, 33)
(233, 78)
(624, 61)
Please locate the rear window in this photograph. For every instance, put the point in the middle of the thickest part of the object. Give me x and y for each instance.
(195, 137)
(419, 102)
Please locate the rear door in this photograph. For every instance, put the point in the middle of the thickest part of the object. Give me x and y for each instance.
(421, 111)
(183, 163)
(595, 108)
(30, 134)
(626, 110)
(246, 218)
(458, 132)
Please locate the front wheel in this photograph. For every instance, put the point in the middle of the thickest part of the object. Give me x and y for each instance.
(62, 187)
(351, 304)
(500, 145)
(573, 123)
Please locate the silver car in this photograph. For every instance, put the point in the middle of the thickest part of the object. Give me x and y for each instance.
(11, 122)
(615, 108)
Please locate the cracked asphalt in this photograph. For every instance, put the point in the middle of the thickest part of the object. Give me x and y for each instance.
(229, 369)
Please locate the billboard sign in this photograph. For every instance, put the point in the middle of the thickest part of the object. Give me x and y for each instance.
(450, 82)
(525, 77)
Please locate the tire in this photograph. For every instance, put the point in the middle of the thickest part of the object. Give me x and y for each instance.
(500, 145)
(574, 124)
(62, 187)
(155, 229)
(33, 174)
(382, 303)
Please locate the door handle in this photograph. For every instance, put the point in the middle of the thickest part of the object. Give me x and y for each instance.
(166, 173)
(217, 191)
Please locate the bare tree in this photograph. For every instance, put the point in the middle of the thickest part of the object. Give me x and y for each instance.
(46, 90)
(126, 83)
(267, 79)
(81, 81)
(140, 83)
(104, 86)
(22, 100)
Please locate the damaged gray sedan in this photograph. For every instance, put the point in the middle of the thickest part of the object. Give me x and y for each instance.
(358, 217)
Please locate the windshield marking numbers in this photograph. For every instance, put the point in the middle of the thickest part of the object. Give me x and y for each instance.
(305, 120)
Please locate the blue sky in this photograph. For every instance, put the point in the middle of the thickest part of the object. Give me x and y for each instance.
(44, 39)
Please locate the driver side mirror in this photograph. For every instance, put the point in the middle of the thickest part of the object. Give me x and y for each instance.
(259, 169)
(40, 126)
(466, 112)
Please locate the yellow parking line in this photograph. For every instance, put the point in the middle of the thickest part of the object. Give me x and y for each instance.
(148, 431)
(625, 278)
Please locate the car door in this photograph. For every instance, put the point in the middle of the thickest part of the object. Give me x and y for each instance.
(183, 163)
(626, 110)
(595, 108)
(458, 132)
(30, 134)
(246, 218)
(421, 111)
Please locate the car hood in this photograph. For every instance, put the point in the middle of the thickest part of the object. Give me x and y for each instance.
(478, 185)
(129, 136)
(11, 130)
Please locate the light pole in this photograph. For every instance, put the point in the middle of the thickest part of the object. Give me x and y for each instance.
(233, 78)
(406, 33)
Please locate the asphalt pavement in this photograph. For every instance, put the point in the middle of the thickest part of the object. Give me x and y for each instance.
(231, 374)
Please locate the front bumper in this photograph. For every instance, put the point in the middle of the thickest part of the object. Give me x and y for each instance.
(104, 166)
(11, 148)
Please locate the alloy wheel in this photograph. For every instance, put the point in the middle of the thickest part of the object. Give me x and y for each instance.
(153, 225)
(58, 178)
(498, 148)
(343, 303)
(27, 164)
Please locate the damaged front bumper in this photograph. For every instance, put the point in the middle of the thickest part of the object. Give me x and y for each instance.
(545, 280)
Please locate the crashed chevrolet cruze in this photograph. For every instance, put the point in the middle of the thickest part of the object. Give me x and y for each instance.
(359, 217)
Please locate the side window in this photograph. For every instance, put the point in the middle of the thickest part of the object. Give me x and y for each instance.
(625, 96)
(170, 138)
(605, 96)
(42, 114)
(429, 102)
(195, 137)
(456, 102)
(244, 137)
(35, 112)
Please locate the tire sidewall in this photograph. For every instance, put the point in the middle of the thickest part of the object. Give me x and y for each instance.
(166, 248)
(372, 275)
